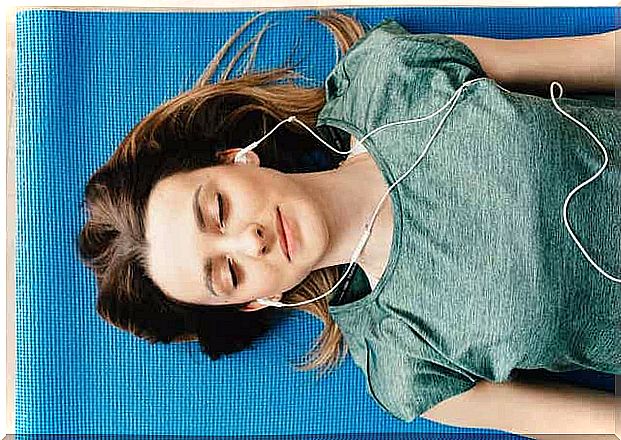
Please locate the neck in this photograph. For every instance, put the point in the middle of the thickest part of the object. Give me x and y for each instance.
(347, 197)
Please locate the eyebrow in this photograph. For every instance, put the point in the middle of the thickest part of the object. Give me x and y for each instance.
(200, 222)
(198, 215)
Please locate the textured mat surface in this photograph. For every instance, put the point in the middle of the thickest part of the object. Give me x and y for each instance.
(82, 81)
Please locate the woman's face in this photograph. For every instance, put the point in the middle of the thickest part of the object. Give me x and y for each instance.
(212, 234)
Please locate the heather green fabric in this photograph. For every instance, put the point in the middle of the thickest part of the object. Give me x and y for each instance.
(483, 276)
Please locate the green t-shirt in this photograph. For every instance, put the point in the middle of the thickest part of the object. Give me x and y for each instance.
(483, 277)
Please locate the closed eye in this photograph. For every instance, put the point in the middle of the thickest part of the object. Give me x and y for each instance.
(233, 275)
(220, 210)
(234, 279)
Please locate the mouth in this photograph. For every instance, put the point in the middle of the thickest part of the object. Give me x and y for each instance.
(282, 236)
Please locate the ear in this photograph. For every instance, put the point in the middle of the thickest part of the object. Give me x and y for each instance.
(228, 156)
(254, 305)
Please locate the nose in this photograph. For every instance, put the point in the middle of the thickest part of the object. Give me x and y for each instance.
(252, 241)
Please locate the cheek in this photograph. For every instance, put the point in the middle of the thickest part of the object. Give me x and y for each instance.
(249, 200)
(266, 279)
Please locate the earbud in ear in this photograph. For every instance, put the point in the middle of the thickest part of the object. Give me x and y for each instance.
(241, 159)
(267, 302)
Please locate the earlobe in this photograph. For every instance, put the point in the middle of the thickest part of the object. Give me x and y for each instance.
(255, 305)
(252, 307)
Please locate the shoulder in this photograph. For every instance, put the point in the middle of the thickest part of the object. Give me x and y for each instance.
(396, 45)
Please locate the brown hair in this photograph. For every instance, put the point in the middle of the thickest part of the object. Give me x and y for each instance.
(185, 133)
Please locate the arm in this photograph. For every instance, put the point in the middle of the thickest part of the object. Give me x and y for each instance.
(584, 63)
(529, 407)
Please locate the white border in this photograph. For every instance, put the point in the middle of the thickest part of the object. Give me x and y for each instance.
(7, 425)
(249, 4)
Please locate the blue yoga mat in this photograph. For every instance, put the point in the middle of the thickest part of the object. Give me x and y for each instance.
(83, 79)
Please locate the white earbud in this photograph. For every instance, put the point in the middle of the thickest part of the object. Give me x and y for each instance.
(240, 158)
(268, 302)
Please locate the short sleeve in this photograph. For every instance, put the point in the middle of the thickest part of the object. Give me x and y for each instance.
(408, 379)
(389, 66)
(390, 41)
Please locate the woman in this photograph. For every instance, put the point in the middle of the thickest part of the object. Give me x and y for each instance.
(473, 275)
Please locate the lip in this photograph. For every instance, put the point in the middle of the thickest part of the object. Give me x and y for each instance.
(289, 235)
(282, 238)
